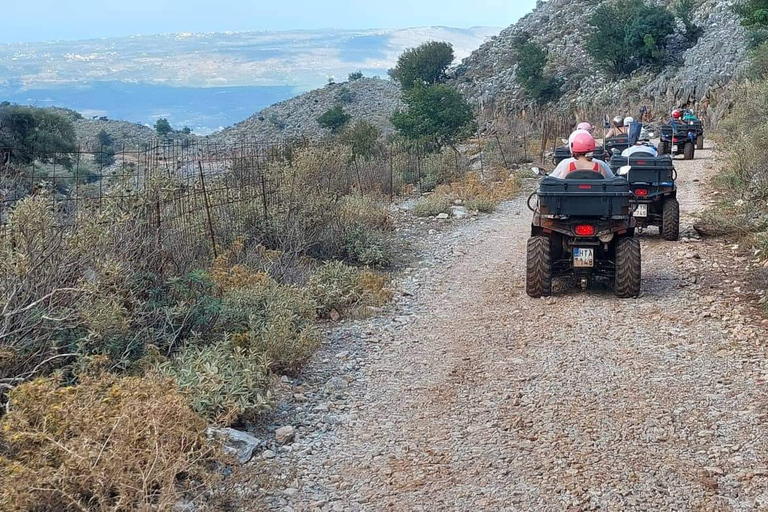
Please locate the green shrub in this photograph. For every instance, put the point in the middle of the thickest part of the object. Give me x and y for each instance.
(431, 205)
(357, 75)
(273, 320)
(343, 289)
(344, 95)
(223, 382)
(362, 138)
(335, 119)
(628, 34)
(531, 61)
(366, 246)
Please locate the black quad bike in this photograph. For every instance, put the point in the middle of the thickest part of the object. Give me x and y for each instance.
(618, 143)
(582, 226)
(564, 152)
(652, 182)
(681, 138)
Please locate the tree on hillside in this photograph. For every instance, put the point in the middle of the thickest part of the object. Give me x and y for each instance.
(753, 13)
(437, 114)
(357, 75)
(334, 119)
(423, 65)
(684, 10)
(628, 34)
(105, 155)
(163, 127)
(754, 16)
(32, 133)
(531, 62)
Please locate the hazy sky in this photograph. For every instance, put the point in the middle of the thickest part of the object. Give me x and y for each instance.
(40, 20)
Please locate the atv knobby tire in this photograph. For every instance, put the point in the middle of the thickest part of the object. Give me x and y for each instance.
(665, 148)
(700, 142)
(538, 271)
(627, 279)
(670, 220)
(689, 150)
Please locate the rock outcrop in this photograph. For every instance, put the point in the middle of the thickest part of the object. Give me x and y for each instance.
(691, 75)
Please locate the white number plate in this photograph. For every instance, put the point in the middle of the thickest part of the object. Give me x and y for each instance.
(583, 258)
(642, 210)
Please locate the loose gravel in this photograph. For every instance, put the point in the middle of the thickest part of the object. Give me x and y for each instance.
(468, 395)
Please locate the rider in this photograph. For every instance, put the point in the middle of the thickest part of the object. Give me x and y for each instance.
(582, 145)
(642, 145)
(617, 127)
(586, 127)
(627, 123)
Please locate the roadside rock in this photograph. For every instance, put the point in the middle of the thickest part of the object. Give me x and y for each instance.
(284, 435)
(235, 442)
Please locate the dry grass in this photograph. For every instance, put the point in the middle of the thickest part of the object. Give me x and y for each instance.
(474, 193)
(107, 443)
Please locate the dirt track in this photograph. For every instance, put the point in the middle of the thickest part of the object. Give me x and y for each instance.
(490, 400)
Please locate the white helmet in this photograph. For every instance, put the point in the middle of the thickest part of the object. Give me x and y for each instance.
(628, 121)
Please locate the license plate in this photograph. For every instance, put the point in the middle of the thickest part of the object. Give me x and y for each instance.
(583, 258)
(642, 210)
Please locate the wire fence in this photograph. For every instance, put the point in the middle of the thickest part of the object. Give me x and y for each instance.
(195, 197)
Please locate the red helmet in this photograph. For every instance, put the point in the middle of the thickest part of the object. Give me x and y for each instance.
(581, 141)
(677, 114)
(586, 127)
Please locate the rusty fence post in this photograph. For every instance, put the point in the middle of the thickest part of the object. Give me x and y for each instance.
(207, 208)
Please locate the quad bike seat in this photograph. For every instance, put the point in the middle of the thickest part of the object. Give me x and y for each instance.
(584, 175)
(584, 197)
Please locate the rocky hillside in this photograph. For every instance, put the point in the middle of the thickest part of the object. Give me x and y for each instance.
(562, 27)
(122, 132)
(371, 99)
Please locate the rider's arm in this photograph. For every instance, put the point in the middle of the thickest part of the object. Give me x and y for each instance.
(562, 169)
(606, 169)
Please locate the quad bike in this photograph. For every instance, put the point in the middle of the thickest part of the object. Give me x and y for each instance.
(583, 227)
(652, 181)
(680, 138)
(618, 143)
(564, 152)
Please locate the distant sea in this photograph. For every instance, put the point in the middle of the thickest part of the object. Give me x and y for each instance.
(205, 110)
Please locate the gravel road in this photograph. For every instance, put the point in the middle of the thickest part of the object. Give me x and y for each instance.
(472, 396)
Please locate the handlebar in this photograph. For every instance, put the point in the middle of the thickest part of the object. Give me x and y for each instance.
(529, 202)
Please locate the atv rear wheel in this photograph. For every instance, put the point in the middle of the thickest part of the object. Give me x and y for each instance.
(670, 220)
(700, 142)
(665, 148)
(627, 280)
(688, 150)
(538, 271)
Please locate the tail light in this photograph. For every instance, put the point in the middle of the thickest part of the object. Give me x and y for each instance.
(641, 192)
(585, 187)
(584, 230)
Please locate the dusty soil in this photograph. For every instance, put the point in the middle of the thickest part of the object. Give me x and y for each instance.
(469, 395)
